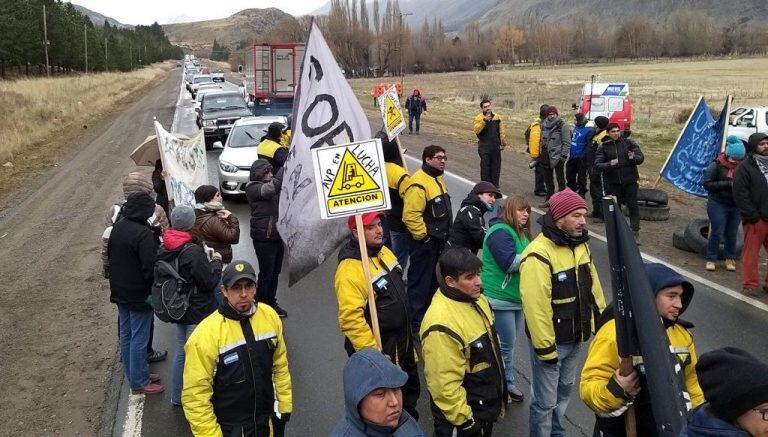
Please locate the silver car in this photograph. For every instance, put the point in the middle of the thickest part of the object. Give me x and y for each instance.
(240, 151)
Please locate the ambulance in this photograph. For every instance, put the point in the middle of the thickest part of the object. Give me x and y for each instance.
(609, 100)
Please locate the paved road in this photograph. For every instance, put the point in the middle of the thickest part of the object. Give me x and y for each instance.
(317, 356)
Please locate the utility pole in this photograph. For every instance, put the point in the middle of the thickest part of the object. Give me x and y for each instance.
(130, 55)
(85, 38)
(106, 54)
(45, 45)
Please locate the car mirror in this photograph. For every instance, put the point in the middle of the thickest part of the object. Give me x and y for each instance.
(218, 145)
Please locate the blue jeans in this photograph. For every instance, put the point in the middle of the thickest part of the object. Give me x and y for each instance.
(551, 386)
(134, 337)
(182, 334)
(508, 323)
(401, 246)
(725, 222)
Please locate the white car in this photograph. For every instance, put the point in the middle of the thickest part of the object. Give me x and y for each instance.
(198, 80)
(200, 93)
(744, 121)
(240, 151)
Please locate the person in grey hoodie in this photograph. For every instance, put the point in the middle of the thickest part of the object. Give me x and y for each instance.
(555, 143)
(373, 399)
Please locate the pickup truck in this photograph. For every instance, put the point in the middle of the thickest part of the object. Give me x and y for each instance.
(744, 121)
(218, 111)
(217, 76)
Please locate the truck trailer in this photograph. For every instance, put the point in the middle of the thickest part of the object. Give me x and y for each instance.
(271, 76)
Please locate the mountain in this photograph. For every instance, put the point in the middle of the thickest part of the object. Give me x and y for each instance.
(98, 20)
(456, 14)
(246, 25)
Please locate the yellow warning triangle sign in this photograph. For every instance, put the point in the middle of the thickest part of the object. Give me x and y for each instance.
(351, 177)
(394, 116)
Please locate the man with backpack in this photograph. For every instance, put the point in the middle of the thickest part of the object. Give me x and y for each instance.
(184, 275)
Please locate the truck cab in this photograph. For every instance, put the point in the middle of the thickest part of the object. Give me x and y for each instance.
(609, 100)
(744, 121)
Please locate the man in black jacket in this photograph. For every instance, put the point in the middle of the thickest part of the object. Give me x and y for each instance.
(469, 227)
(750, 192)
(132, 248)
(617, 159)
(263, 192)
(491, 140)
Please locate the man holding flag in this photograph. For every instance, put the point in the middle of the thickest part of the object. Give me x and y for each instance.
(607, 392)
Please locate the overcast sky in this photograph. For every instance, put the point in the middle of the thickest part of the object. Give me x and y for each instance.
(176, 11)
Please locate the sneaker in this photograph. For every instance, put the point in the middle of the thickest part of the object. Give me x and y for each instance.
(730, 265)
(750, 292)
(515, 395)
(151, 389)
(710, 266)
(157, 356)
(280, 312)
(154, 377)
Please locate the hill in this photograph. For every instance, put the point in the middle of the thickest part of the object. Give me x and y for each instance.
(98, 19)
(246, 25)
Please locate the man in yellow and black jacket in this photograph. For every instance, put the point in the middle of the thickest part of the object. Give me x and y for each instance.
(491, 140)
(463, 366)
(608, 393)
(533, 139)
(271, 146)
(562, 300)
(428, 216)
(237, 364)
(391, 303)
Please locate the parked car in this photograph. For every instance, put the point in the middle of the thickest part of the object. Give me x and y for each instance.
(218, 112)
(200, 94)
(744, 121)
(198, 80)
(218, 76)
(240, 150)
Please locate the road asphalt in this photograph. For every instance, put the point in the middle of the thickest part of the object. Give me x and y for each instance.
(315, 344)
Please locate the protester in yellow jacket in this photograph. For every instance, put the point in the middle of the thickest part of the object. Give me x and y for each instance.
(463, 366)
(607, 393)
(236, 365)
(398, 181)
(491, 140)
(533, 139)
(428, 216)
(271, 147)
(391, 303)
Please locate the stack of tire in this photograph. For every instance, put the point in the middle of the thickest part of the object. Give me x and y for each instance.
(693, 238)
(653, 205)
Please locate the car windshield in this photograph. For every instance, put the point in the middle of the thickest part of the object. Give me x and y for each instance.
(247, 135)
(203, 79)
(224, 103)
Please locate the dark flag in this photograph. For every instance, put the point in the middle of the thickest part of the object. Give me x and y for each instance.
(639, 328)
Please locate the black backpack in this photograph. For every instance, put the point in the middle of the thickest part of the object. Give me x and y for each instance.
(171, 292)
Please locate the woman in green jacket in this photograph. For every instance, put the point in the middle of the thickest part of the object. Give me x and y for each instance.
(505, 240)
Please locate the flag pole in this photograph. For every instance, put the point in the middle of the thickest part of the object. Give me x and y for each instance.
(727, 111)
(367, 274)
(630, 423)
(677, 141)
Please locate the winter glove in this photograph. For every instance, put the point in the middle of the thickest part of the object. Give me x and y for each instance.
(470, 428)
(216, 256)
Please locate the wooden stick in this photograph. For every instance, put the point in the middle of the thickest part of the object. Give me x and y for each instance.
(630, 423)
(402, 155)
(367, 275)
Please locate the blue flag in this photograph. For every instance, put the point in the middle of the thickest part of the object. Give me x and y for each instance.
(696, 147)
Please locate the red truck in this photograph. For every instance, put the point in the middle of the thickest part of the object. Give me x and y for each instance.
(271, 76)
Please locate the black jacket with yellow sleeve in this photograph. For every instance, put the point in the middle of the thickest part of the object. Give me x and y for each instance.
(228, 383)
(391, 301)
(602, 393)
(462, 359)
(427, 206)
(491, 135)
(561, 292)
(398, 181)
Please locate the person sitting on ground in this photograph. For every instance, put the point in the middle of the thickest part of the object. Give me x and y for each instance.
(373, 399)
(271, 146)
(724, 215)
(469, 227)
(735, 384)
(607, 392)
(201, 275)
(214, 225)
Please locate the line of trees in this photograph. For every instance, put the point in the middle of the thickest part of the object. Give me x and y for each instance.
(374, 39)
(22, 48)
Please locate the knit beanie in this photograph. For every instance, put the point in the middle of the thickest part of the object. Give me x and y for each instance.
(136, 182)
(565, 202)
(205, 193)
(733, 381)
(183, 217)
(552, 110)
(601, 121)
(734, 147)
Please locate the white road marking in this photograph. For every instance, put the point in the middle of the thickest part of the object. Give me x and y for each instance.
(690, 275)
(134, 415)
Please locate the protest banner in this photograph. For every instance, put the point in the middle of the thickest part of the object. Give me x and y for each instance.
(391, 113)
(184, 163)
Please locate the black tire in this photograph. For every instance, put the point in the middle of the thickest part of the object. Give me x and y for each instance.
(654, 213)
(678, 241)
(652, 195)
(696, 233)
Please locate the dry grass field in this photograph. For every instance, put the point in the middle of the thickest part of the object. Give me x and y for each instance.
(36, 111)
(659, 91)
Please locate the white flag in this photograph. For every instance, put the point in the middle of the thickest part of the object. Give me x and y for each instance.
(326, 112)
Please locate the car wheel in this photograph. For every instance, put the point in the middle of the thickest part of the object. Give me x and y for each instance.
(653, 195)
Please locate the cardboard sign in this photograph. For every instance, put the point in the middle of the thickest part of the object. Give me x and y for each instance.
(389, 105)
(351, 179)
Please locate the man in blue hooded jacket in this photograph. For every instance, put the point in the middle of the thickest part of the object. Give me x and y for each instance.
(374, 399)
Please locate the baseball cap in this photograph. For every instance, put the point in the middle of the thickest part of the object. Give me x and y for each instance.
(237, 270)
(367, 219)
